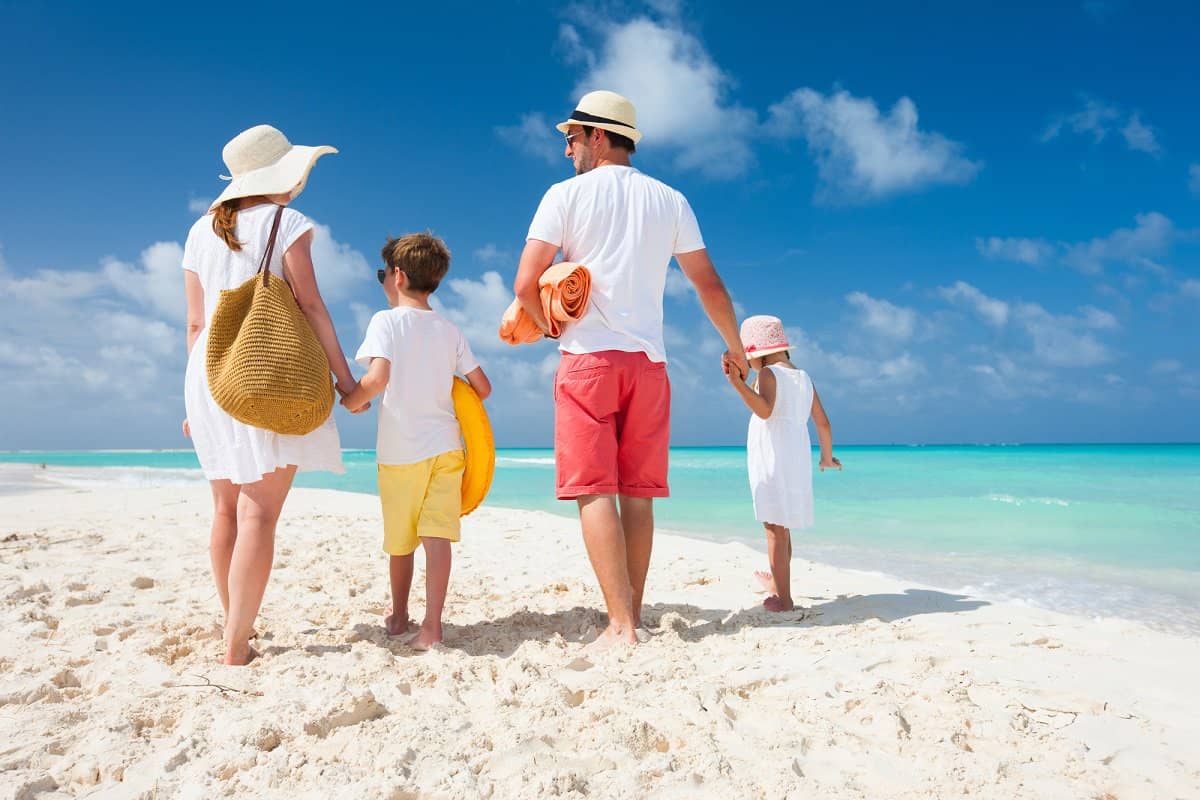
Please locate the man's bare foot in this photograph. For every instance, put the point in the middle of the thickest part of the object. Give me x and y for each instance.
(611, 637)
(239, 656)
(774, 603)
(765, 581)
(397, 624)
(424, 638)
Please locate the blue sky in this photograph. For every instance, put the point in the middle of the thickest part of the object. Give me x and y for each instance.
(979, 225)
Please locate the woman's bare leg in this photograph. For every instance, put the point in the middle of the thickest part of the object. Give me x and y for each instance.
(223, 536)
(258, 510)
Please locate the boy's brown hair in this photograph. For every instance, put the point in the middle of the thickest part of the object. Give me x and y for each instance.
(423, 257)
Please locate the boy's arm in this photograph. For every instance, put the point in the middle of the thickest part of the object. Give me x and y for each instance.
(761, 402)
(824, 434)
(371, 384)
(479, 382)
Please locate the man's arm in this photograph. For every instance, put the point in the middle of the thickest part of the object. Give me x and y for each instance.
(537, 257)
(699, 269)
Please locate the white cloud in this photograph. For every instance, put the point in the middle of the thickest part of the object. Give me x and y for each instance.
(678, 286)
(340, 269)
(892, 322)
(1140, 137)
(1057, 340)
(862, 154)
(1194, 178)
(1165, 366)
(1151, 236)
(535, 135)
(994, 312)
(1097, 119)
(1026, 251)
(1097, 319)
(491, 255)
(199, 205)
(1190, 289)
(476, 307)
(679, 93)
(157, 283)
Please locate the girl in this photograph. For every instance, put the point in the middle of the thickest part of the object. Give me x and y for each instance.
(778, 450)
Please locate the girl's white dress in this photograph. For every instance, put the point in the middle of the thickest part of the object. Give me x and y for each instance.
(779, 453)
(228, 449)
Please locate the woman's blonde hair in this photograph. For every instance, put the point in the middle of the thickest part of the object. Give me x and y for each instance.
(225, 223)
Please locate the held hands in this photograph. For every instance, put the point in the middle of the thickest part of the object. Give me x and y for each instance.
(735, 366)
(830, 463)
(345, 394)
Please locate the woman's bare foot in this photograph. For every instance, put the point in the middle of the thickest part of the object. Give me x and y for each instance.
(425, 638)
(774, 603)
(397, 624)
(611, 637)
(765, 581)
(239, 656)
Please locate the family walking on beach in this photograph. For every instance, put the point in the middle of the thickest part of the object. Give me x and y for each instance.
(612, 396)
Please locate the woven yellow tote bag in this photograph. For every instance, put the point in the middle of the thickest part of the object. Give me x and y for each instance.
(266, 367)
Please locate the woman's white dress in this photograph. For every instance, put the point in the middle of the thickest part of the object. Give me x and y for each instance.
(779, 453)
(228, 449)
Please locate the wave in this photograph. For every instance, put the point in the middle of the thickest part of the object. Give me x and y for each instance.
(132, 477)
(1020, 501)
(514, 460)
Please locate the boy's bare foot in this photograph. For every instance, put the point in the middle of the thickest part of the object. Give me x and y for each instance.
(774, 603)
(765, 581)
(397, 624)
(239, 656)
(611, 637)
(424, 638)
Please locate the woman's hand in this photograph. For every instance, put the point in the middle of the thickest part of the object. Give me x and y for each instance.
(187, 429)
(830, 463)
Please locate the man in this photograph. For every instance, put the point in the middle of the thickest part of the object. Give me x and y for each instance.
(612, 396)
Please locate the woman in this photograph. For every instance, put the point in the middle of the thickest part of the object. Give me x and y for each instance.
(251, 469)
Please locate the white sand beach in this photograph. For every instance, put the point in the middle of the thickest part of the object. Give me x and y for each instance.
(110, 686)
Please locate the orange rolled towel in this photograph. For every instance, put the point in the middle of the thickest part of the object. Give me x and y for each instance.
(565, 289)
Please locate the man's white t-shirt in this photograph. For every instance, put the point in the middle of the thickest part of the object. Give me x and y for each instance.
(624, 227)
(416, 414)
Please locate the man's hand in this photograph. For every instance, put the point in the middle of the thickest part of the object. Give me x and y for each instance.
(735, 363)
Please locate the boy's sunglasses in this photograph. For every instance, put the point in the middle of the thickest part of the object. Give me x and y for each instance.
(382, 275)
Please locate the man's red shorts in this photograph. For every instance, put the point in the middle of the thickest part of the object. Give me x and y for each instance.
(612, 425)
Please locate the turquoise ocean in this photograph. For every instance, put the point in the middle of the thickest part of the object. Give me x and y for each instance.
(1100, 530)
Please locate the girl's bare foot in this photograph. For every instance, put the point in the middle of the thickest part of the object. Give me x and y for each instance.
(397, 624)
(425, 638)
(611, 637)
(239, 656)
(774, 603)
(765, 581)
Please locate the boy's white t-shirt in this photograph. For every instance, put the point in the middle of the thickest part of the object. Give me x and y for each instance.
(624, 227)
(416, 414)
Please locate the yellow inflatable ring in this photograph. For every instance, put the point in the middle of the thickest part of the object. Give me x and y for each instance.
(477, 441)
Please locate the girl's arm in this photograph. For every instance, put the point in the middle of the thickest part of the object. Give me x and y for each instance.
(761, 402)
(298, 268)
(824, 434)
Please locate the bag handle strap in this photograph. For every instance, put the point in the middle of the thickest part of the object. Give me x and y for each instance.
(264, 266)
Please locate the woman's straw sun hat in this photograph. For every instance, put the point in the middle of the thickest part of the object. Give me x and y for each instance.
(607, 110)
(262, 161)
(763, 335)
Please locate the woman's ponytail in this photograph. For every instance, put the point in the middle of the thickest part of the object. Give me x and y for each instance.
(225, 223)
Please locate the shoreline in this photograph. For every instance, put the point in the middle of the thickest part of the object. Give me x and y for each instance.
(1144, 601)
(877, 688)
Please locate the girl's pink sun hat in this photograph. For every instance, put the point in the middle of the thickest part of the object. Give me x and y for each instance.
(763, 335)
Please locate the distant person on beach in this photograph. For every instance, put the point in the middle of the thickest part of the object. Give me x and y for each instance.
(778, 450)
(412, 354)
(251, 469)
(612, 396)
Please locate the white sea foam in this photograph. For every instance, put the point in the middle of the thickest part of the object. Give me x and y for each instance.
(1020, 501)
(129, 477)
(512, 460)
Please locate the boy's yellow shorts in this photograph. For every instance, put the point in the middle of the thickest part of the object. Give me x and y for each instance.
(421, 500)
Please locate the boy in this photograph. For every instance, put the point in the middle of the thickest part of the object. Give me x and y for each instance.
(412, 354)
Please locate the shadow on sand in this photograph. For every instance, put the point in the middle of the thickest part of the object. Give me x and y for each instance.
(502, 636)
